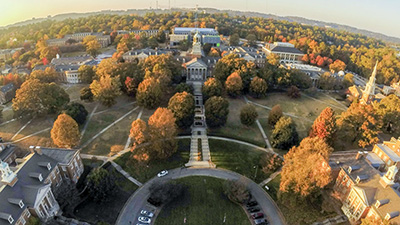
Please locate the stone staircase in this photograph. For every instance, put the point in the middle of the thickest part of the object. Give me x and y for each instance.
(199, 151)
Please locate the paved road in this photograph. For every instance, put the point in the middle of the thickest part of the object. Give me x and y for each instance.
(138, 200)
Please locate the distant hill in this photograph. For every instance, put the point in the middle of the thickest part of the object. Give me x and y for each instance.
(301, 20)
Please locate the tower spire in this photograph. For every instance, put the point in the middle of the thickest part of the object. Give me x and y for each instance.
(369, 92)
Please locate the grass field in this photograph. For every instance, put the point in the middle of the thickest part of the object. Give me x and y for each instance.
(235, 129)
(303, 212)
(203, 203)
(238, 158)
(146, 171)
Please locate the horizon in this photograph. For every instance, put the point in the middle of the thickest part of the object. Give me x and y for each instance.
(19, 12)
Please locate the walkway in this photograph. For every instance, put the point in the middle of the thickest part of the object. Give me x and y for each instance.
(271, 177)
(138, 200)
(88, 120)
(125, 174)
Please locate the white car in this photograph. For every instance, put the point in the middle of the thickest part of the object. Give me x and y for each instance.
(147, 213)
(162, 173)
(143, 219)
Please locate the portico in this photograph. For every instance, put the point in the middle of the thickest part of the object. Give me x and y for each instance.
(196, 70)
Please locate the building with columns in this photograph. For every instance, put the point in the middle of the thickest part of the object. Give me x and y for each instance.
(286, 52)
(26, 189)
(195, 70)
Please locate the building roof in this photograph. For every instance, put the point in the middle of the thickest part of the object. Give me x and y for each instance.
(6, 151)
(193, 29)
(285, 50)
(63, 156)
(392, 155)
(6, 88)
(79, 60)
(147, 51)
(195, 61)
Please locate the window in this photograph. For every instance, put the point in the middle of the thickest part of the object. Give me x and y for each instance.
(48, 166)
(21, 204)
(64, 169)
(23, 220)
(27, 214)
(57, 170)
(10, 219)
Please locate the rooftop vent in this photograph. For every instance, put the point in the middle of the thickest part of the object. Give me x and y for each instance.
(37, 176)
(45, 164)
(361, 178)
(353, 168)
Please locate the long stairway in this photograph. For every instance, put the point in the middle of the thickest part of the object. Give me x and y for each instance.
(199, 148)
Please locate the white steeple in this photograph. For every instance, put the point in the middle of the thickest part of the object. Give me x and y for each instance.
(7, 176)
(388, 178)
(370, 88)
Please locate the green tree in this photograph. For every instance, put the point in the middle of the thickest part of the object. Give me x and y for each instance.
(248, 115)
(212, 87)
(234, 85)
(324, 126)
(163, 193)
(251, 40)
(101, 184)
(106, 90)
(348, 80)
(182, 105)
(49, 75)
(77, 111)
(217, 110)
(184, 87)
(284, 135)
(86, 73)
(65, 131)
(236, 191)
(274, 115)
(86, 94)
(258, 87)
(388, 110)
(149, 93)
(273, 59)
(234, 40)
(92, 45)
(305, 169)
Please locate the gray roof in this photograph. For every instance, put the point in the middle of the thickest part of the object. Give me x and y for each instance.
(26, 187)
(71, 60)
(62, 68)
(63, 156)
(7, 88)
(286, 49)
(8, 150)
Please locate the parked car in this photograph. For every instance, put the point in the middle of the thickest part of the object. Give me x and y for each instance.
(162, 173)
(251, 204)
(147, 213)
(257, 215)
(260, 221)
(254, 209)
(143, 219)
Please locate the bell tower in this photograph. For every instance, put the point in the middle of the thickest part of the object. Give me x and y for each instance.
(389, 177)
(7, 176)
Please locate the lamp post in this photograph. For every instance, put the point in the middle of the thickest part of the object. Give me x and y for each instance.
(255, 174)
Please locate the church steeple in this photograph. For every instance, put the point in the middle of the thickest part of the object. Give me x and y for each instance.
(369, 92)
(7, 175)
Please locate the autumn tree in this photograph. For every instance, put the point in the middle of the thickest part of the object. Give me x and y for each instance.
(234, 85)
(65, 131)
(37, 98)
(251, 40)
(106, 89)
(234, 40)
(212, 87)
(140, 135)
(86, 94)
(77, 111)
(107, 67)
(305, 169)
(233, 63)
(284, 135)
(236, 190)
(294, 92)
(258, 87)
(248, 115)
(149, 93)
(273, 59)
(92, 45)
(86, 73)
(274, 115)
(337, 66)
(324, 126)
(46, 76)
(270, 162)
(388, 110)
(217, 110)
(101, 184)
(182, 105)
(348, 80)
(359, 124)
(166, 64)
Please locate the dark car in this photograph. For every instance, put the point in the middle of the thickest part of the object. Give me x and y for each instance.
(251, 204)
(257, 215)
(254, 209)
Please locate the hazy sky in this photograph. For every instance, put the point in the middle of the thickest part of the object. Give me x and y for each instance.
(376, 15)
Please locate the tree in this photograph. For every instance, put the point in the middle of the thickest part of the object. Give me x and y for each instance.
(92, 45)
(217, 110)
(182, 105)
(274, 115)
(140, 134)
(305, 168)
(100, 184)
(86, 73)
(236, 191)
(184, 87)
(149, 93)
(65, 131)
(86, 94)
(212, 87)
(234, 40)
(47, 76)
(258, 87)
(234, 84)
(359, 124)
(389, 111)
(284, 135)
(37, 98)
(163, 131)
(67, 196)
(348, 80)
(162, 193)
(324, 126)
(107, 67)
(270, 162)
(328, 82)
(251, 40)
(77, 111)
(294, 92)
(106, 90)
(273, 59)
(337, 66)
(248, 115)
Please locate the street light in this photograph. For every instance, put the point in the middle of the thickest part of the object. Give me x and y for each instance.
(255, 174)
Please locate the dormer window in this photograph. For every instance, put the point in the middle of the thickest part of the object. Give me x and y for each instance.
(381, 202)
(21, 204)
(48, 166)
(10, 219)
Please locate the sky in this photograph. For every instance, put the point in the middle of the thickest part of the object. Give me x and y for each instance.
(375, 15)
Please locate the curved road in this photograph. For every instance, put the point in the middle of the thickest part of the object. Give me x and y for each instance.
(138, 200)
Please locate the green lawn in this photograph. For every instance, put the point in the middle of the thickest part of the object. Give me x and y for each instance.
(238, 158)
(146, 171)
(203, 203)
(303, 212)
(235, 129)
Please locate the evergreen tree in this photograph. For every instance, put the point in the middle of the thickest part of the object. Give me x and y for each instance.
(100, 184)
(248, 115)
(284, 135)
(77, 111)
(274, 115)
